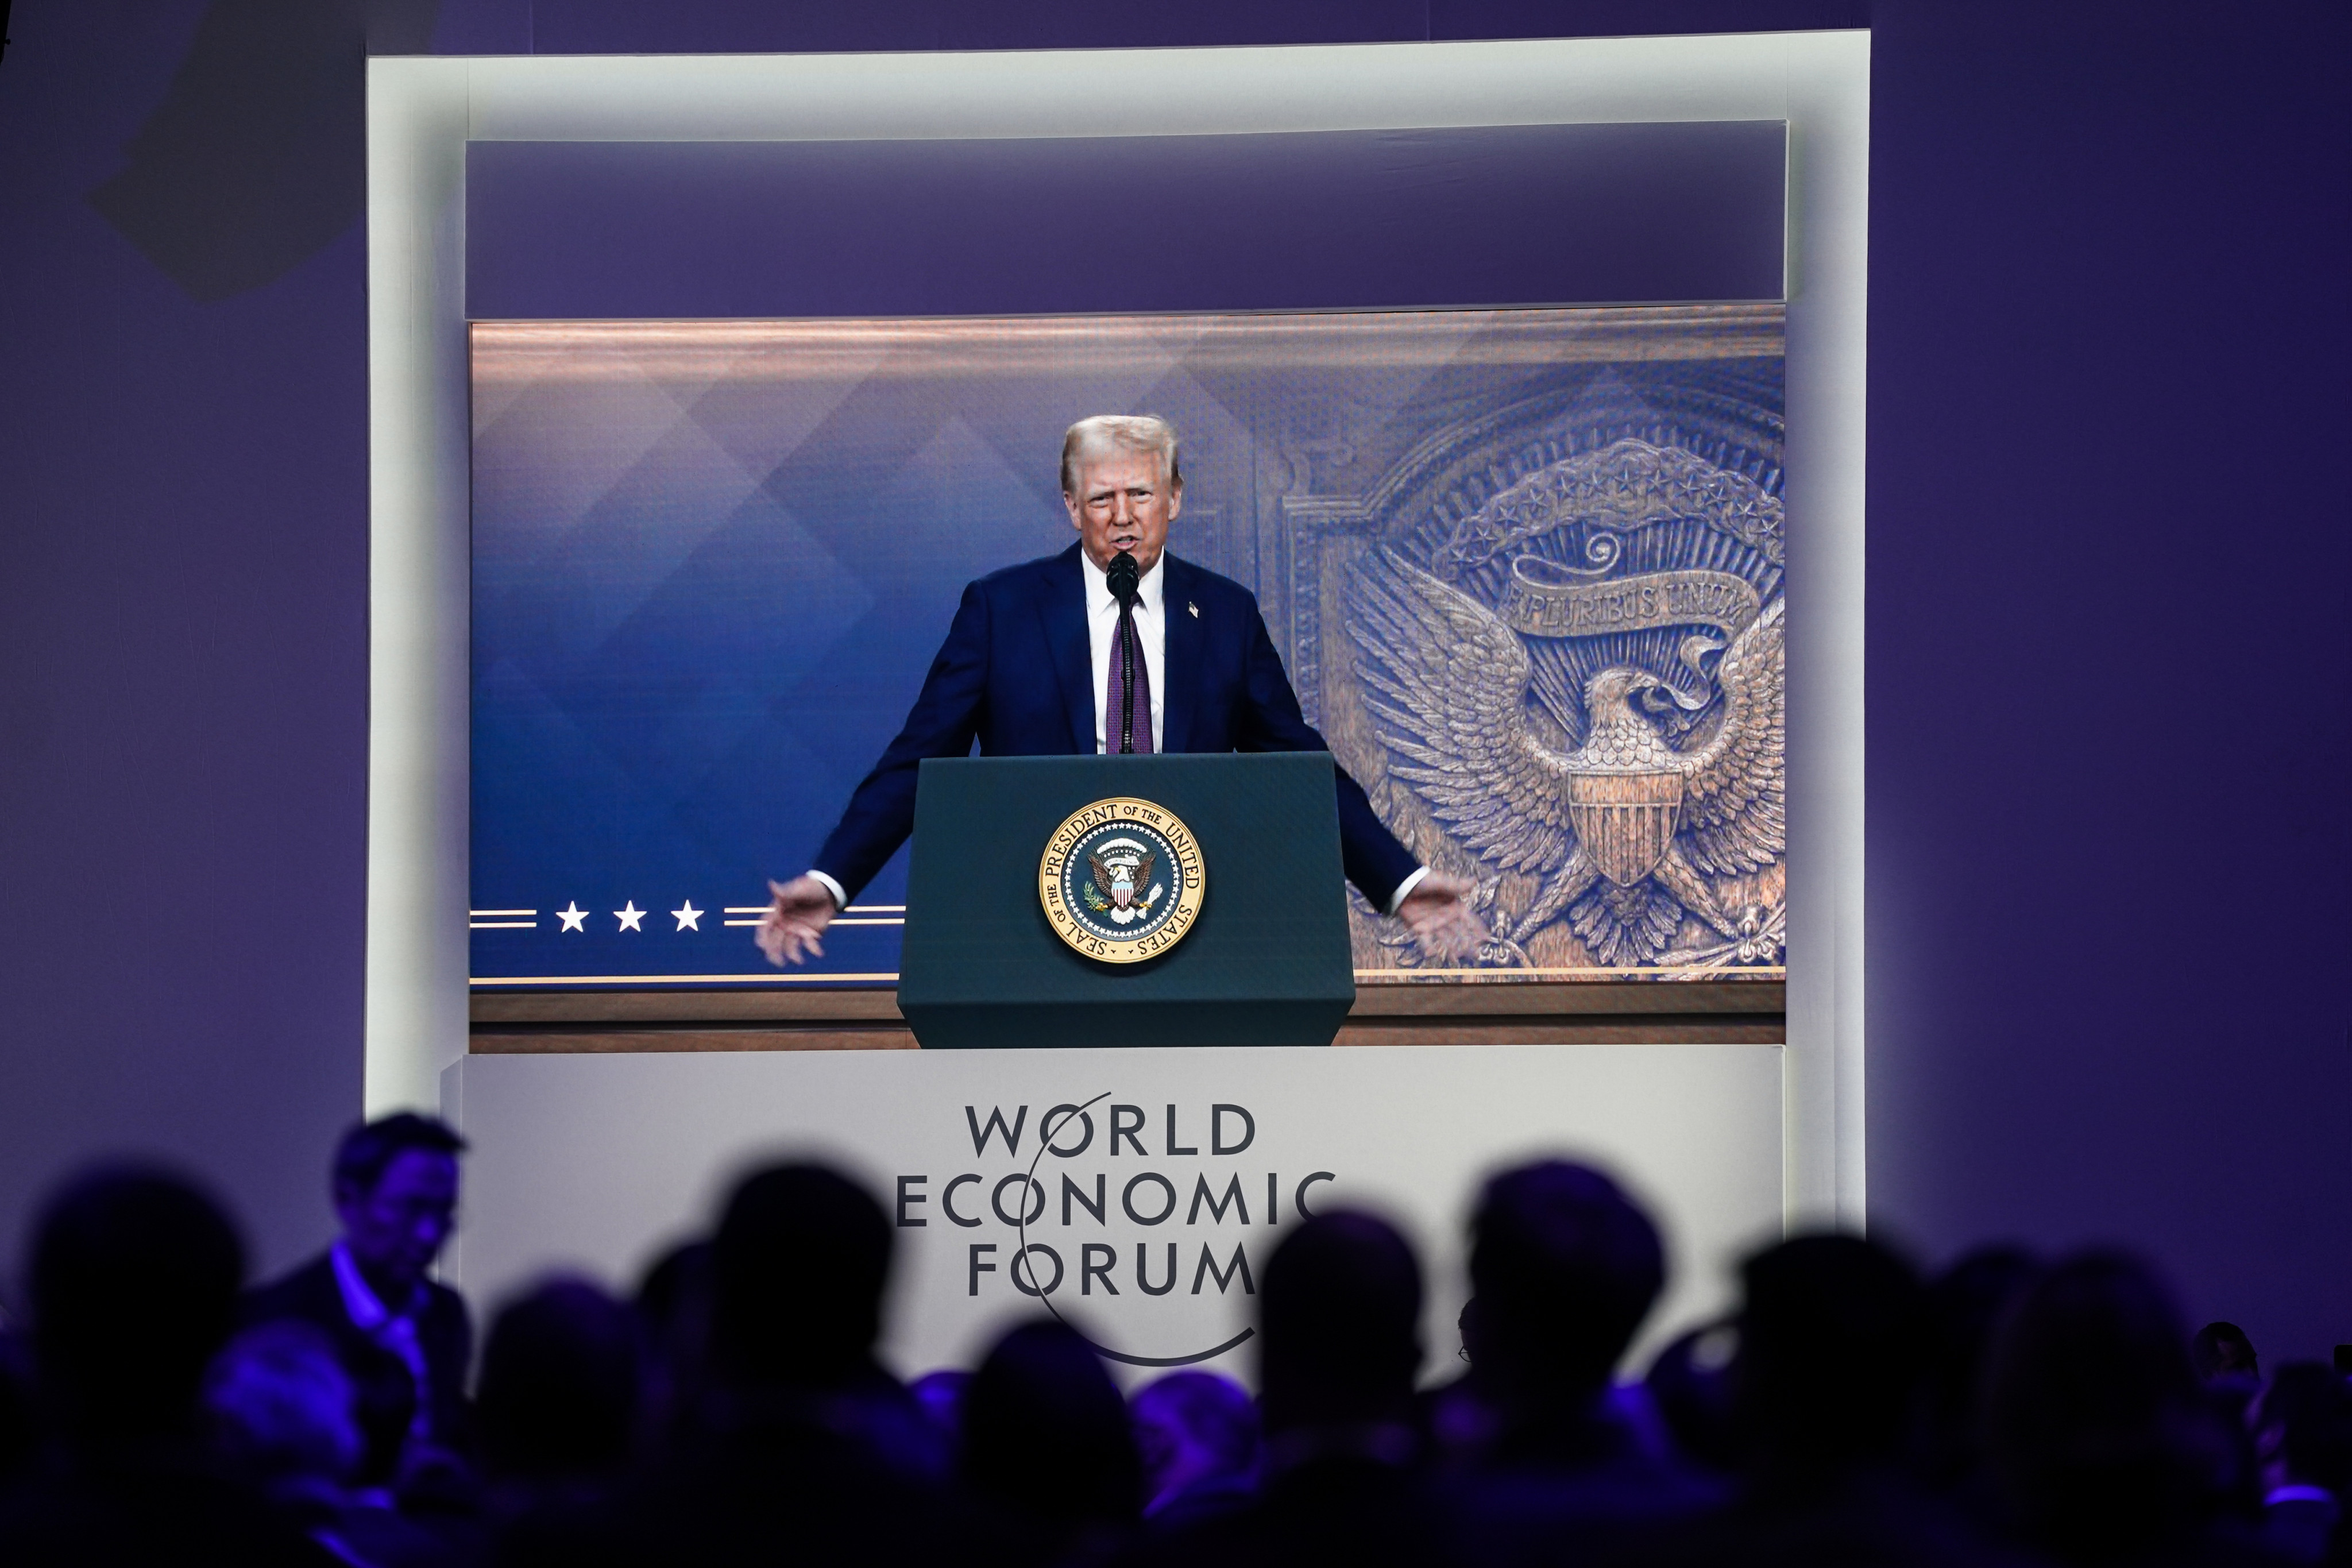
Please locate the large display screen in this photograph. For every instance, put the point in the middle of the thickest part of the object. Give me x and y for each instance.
(1525, 568)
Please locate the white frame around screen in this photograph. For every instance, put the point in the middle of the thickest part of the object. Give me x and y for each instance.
(422, 110)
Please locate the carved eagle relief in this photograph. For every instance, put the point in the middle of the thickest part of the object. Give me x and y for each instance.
(1622, 831)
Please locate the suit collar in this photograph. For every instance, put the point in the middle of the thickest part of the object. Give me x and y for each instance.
(368, 1312)
(1150, 592)
(1062, 610)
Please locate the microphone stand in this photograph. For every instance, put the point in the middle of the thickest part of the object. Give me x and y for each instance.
(1122, 577)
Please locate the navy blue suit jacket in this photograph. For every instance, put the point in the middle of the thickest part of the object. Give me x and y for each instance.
(1015, 674)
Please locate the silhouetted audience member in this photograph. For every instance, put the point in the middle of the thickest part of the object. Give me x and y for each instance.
(1832, 1343)
(2222, 1350)
(1689, 1384)
(558, 1401)
(2012, 1412)
(281, 1413)
(2302, 1438)
(1964, 1305)
(2102, 1446)
(798, 1271)
(2225, 1361)
(1045, 1441)
(1198, 1435)
(1339, 1345)
(673, 1307)
(133, 1279)
(403, 1339)
(1565, 1267)
(283, 1423)
(800, 1448)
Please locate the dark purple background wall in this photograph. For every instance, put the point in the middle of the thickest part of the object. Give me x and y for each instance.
(2108, 668)
(1302, 221)
(183, 665)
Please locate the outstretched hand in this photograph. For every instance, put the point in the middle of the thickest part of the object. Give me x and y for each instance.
(1438, 913)
(799, 916)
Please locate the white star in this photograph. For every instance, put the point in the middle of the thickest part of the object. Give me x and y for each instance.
(571, 916)
(629, 915)
(689, 916)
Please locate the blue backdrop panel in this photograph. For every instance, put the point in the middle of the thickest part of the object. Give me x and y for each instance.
(712, 561)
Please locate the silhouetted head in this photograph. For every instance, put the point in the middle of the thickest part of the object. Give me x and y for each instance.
(1191, 1428)
(797, 1273)
(1046, 1431)
(673, 1308)
(2224, 1360)
(2096, 1428)
(562, 1376)
(1339, 1324)
(2222, 1350)
(281, 1405)
(1565, 1268)
(1689, 1385)
(1467, 1326)
(1964, 1306)
(134, 1277)
(675, 1288)
(1831, 1342)
(395, 1191)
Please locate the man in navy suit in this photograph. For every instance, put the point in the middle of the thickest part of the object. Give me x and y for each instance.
(1049, 658)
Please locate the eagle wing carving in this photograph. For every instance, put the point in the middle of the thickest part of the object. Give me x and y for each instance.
(1143, 869)
(1102, 873)
(1735, 792)
(1446, 681)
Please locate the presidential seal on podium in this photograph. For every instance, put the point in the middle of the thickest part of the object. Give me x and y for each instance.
(1121, 879)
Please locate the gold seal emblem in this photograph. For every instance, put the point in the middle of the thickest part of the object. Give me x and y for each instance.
(1122, 880)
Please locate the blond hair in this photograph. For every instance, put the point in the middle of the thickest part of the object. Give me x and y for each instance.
(1134, 432)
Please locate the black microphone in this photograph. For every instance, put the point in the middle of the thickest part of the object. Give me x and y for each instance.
(1122, 576)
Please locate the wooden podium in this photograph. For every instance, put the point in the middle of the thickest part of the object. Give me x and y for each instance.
(1265, 961)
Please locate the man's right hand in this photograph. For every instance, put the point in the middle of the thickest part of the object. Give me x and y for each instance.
(795, 920)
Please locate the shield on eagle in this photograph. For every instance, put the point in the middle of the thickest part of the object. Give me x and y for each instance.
(1625, 821)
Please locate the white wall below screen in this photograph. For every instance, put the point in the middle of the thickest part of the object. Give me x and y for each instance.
(596, 1162)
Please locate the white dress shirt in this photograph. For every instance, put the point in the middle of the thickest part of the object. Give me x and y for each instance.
(395, 1332)
(1102, 639)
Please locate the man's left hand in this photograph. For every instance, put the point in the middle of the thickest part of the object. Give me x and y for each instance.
(1438, 912)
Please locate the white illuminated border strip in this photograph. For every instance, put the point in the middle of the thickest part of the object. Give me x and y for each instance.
(422, 111)
(854, 915)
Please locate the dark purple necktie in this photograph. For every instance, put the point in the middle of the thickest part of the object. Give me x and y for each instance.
(1128, 728)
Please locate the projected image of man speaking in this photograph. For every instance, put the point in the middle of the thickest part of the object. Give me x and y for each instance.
(1112, 646)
